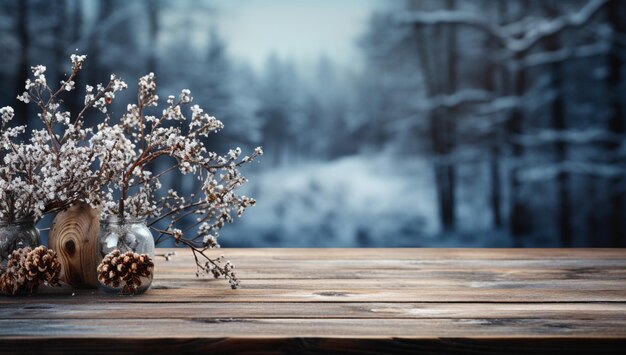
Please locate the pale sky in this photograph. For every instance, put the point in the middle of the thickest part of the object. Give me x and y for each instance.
(298, 29)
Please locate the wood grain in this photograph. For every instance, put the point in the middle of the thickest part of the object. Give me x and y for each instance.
(295, 310)
(73, 236)
(543, 301)
(289, 327)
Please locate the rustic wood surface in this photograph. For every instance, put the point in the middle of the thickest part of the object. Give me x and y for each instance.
(346, 301)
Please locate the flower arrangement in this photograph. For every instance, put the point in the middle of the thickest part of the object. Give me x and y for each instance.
(52, 170)
(110, 165)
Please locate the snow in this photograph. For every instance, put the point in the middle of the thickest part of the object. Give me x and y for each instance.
(346, 202)
(362, 200)
(514, 41)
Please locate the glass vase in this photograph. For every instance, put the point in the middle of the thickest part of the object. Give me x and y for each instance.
(121, 249)
(15, 235)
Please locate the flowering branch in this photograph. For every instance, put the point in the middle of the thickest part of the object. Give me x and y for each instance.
(48, 172)
(51, 172)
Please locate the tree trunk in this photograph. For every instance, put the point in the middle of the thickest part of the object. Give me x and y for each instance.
(60, 40)
(519, 216)
(73, 102)
(617, 125)
(77, 20)
(449, 207)
(559, 124)
(96, 69)
(494, 83)
(436, 123)
(563, 177)
(153, 34)
(23, 67)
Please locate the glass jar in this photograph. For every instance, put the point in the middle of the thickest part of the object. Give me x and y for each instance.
(115, 238)
(15, 235)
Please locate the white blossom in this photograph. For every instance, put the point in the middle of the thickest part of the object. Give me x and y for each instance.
(7, 114)
(234, 153)
(118, 84)
(77, 61)
(68, 85)
(38, 70)
(24, 97)
(147, 89)
(185, 96)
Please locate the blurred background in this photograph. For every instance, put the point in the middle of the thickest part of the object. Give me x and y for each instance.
(385, 123)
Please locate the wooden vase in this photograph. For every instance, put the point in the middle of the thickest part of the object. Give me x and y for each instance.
(73, 236)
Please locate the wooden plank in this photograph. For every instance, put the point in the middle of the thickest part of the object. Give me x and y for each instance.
(396, 264)
(100, 310)
(391, 284)
(220, 294)
(499, 264)
(486, 274)
(582, 328)
(312, 267)
(375, 263)
(264, 254)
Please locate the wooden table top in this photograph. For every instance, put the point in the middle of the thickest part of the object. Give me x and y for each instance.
(370, 300)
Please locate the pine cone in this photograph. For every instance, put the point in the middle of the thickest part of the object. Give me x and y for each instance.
(27, 269)
(41, 266)
(13, 277)
(126, 270)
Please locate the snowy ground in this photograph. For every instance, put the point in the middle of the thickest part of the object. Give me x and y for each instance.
(355, 201)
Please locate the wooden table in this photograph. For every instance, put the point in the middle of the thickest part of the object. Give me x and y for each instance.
(343, 300)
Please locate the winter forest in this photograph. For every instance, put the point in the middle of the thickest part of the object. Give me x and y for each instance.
(497, 123)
